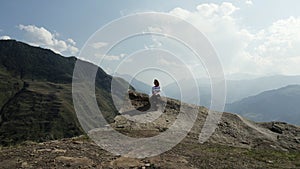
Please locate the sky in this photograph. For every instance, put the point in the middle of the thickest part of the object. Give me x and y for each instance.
(250, 36)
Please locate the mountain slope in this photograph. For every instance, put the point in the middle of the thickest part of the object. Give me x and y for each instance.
(275, 105)
(237, 143)
(35, 94)
(232, 129)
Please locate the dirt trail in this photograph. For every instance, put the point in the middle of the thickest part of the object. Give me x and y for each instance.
(269, 134)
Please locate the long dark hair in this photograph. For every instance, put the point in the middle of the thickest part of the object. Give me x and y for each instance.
(156, 83)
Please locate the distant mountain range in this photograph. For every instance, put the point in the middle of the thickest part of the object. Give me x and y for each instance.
(36, 96)
(281, 104)
(236, 89)
(139, 86)
(239, 89)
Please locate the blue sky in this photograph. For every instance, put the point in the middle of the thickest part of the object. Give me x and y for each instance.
(250, 36)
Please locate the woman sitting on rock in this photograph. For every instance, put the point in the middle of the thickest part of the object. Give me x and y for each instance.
(155, 98)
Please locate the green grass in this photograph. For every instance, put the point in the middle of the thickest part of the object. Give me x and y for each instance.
(225, 155)
(274, 155)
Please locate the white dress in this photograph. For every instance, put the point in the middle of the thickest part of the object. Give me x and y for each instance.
(155, 90)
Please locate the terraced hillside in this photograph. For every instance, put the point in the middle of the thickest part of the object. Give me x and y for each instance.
(35, 94)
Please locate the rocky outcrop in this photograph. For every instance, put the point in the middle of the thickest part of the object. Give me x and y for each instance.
(232, 130)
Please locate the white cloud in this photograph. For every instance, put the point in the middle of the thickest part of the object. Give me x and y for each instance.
(218, 24)
(39, 36)
(276, 48)
(182, 13)
(71, 41)
(266, 51)
(5, 37)
(155, 43)
(98, 45)
(154, 29)
(249, 2)
(212, 9)
(281, 39)
(122, 55)
(111, 57)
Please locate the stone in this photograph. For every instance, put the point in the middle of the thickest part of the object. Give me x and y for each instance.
(59, 151)
(75, 161)
(25, 165)
(277, 129)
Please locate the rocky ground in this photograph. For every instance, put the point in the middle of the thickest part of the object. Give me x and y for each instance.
(236, 143)
(82, 153)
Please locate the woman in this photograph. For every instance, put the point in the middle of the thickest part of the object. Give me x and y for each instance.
(156, 88)
(154, 99)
